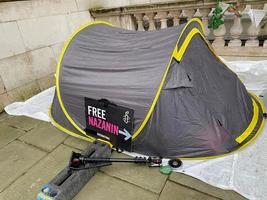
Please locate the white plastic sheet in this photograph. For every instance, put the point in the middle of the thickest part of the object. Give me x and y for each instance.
(244, 171)
(36, 107)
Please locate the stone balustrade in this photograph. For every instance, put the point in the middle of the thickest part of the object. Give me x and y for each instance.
(238, 36)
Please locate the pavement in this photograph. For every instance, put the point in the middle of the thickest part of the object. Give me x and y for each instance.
(32, 152)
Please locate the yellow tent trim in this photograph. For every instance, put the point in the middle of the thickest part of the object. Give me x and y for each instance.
(180, 53)
(252, 124)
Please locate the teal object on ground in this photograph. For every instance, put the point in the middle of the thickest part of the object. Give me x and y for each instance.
(165, 169)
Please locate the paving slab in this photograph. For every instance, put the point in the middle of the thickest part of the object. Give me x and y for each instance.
(4, 116)
(199, 185)
(103, 187)
(4, 99)
(44, 136)
(28, 185)
(16, 158)
(143, 176)
(173, 191)
(8, 134)
(22, 122)
(77, 143)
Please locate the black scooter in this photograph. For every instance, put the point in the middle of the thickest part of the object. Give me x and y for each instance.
(79, 161)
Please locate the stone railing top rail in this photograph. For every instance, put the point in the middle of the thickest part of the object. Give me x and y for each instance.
(101, 10)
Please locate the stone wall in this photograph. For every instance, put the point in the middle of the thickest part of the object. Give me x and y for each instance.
(32, 34)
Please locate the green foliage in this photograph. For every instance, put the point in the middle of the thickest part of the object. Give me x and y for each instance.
(216, 19)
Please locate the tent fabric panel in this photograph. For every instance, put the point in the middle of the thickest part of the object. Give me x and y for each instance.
(144, 64)
(194, 114)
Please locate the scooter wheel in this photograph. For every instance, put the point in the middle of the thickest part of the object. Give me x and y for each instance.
(119, 150)
(175, 163)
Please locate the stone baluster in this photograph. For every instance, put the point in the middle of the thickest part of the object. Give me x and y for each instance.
(169, 18)
(265, 32)
(139, 21)
(219, 36)
(210, 34)
(198, 14)
(145, 22)
(205, 19)
(175, 15)
(151, 21)
(189, 13)
(252, 30)
(245, 21)
(183, 17)
(236, 31)
(252, 34)
(228, 23)
(186, 15)
(163, 19)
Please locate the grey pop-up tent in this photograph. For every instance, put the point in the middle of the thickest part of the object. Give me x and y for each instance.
(186, 102)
